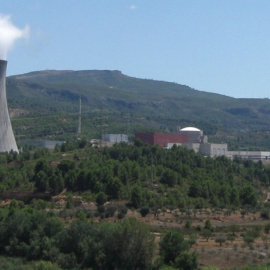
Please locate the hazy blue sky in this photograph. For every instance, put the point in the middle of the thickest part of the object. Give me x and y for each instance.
(220, 46)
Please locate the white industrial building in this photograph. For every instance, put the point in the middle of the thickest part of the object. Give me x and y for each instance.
(114, 138)
(255, 155)
(196, 141)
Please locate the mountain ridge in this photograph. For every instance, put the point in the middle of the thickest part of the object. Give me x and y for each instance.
(59, 90)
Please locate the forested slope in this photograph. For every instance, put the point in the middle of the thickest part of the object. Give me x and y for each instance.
(161, 102)
(143, 175)
(109, 182)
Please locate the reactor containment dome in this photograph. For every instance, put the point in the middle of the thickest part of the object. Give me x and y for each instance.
(190, 129)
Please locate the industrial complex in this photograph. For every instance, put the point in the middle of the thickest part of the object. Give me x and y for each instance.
(190, 137)
(193, 138)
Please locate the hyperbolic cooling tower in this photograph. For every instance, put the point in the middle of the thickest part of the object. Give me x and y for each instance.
(7, 139)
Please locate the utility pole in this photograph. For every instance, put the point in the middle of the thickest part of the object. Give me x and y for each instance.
(79, 117)
(152, 172)
(102, 125)
(128, 125)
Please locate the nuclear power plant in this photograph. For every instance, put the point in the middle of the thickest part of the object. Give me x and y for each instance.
(191, 138)
(7, 139)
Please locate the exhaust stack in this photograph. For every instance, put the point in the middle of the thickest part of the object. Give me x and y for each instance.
(7, 139)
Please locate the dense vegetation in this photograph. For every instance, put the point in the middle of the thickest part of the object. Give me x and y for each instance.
(40, 235)
(142, 177)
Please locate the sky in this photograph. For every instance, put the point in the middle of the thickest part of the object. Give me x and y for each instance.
(218, 46)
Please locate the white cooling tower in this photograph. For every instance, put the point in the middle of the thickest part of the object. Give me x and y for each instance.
(7, 139)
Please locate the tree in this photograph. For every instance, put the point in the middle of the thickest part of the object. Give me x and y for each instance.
(192, 240)
(234, 197)
(220, 240)
(71, 179)
(254, 232)
(43, 165)
(122, 211)
(144, 211)
(128, 245)
(267, 228)
(248, 239)
(69, 204)
(81, 240)
(82, 143)
(56, 182)
(187, 261)
(206, 234)
(114, 188)
(208, 225)
(66, 165)
(233, 228)
(43, 265)
(137, 196)
(248, 195)
(188, 224)
(101, 198)
(169, 177)
(42, 181)
(243, 212)
(81, 215)
(231, 238)
(52, 226)
(172, 244)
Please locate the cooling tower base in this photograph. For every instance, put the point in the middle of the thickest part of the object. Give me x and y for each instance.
(7, 139)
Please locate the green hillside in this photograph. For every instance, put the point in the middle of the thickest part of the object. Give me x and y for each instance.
(147, 103)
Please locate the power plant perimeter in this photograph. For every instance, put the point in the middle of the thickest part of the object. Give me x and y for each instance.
(7, 139)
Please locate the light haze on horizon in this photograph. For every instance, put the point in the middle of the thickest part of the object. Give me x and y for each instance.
(216, 46)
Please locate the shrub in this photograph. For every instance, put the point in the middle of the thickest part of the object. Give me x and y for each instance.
(110, 211)
(248, 239)
(120, 215)
(188, 224)
(101, 198)
(265, 213)
(144, 211)
(101, 209)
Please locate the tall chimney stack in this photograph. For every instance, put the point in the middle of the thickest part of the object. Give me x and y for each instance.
(7, 139)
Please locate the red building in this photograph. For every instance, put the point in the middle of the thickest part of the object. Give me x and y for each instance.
(162, 139)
